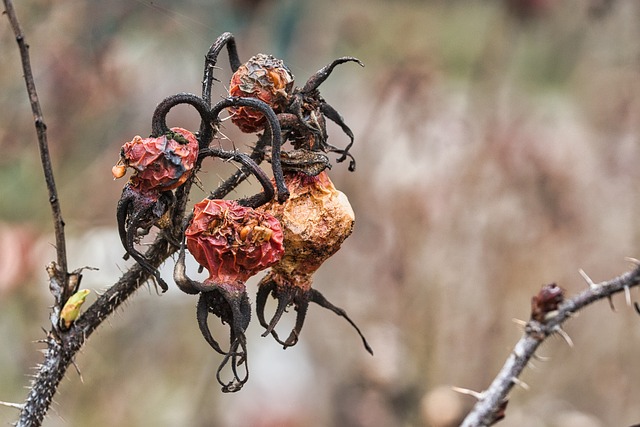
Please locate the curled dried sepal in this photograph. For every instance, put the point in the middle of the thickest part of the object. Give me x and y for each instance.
(232, 307)
(316, 219)
(288, 295)
(546, 302)
(265, 78)
(233, 242)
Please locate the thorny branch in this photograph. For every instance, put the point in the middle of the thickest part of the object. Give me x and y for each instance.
(64, 344)
(492, 402)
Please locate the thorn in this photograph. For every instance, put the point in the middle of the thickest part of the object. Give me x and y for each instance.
(75, 365)
(477, 395)
(587, 279)
(519, 322)
(541, 358)
(519, 382)
(634, 261)
(564, 335)
(627, 295)
(19, 406)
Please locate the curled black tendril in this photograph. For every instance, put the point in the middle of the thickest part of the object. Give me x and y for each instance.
(135, 214)
(225, 39)
(300, 299)
(322, 74)
(234, 308)
(275, 133)
(246, 161)
(159, 120)
(307, 109)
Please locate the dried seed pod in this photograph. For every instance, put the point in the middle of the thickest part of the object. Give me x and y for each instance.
(161, 164)
(263, 77)
(233, 242)
(316, 219)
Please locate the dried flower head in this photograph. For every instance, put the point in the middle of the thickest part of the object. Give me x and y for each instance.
(263, 77)
(316, 219)
(233, 242)
(161, 163)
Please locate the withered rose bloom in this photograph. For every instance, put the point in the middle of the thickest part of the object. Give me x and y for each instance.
(265, 78)
(162, 163)
(233, 242)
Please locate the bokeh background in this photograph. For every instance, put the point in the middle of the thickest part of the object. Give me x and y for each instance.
(498, 151)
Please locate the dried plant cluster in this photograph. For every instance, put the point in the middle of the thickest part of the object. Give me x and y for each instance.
(448, 266)
(296, 223)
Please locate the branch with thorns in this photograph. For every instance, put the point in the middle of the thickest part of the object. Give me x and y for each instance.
(549, 310)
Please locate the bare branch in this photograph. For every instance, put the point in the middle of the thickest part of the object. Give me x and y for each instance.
(43, 145)
(491, 402)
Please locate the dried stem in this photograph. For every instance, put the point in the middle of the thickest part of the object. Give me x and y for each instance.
(64, 344)
(41, 129)
(492, 401)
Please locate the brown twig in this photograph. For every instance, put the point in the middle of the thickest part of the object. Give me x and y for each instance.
(491, 402)
(64, 343)
(41, 129)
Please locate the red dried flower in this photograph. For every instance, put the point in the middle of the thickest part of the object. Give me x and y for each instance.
(263, 77)
(233, 242)
(162, 163)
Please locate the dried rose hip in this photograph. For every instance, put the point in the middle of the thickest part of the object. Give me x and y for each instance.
(316, 219)
(302, 112)
(160, 165)
(233, 242)
(265, 78)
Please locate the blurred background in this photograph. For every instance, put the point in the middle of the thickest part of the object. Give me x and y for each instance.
(497, 148)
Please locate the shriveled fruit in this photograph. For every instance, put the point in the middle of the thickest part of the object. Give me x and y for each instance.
(160, 165)
(265, 78)
(233, 242)
(316, 219)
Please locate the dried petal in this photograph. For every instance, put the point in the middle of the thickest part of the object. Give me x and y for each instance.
(233, 242)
